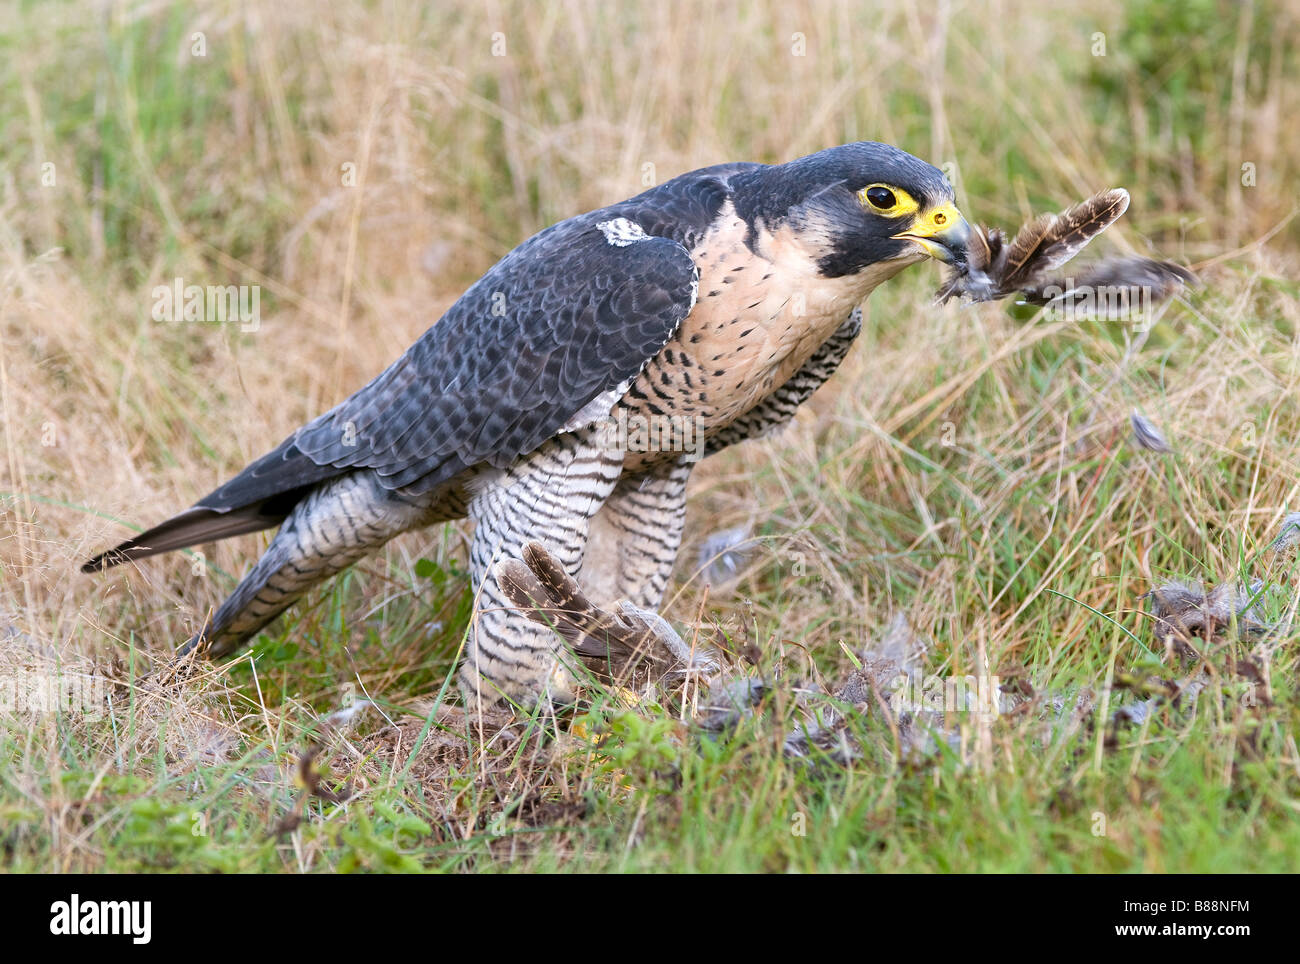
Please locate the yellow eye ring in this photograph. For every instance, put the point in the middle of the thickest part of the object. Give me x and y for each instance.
(887, 200)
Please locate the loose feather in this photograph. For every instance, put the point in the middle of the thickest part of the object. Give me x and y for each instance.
(1049, 241)
(996, 268)
(1123, 278)
(612, 643)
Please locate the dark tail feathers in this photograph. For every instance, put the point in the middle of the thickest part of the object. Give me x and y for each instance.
(191, 528)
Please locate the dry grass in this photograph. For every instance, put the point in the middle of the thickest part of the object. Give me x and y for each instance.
(970, 466)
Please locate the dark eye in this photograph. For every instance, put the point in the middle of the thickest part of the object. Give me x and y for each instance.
(881, 197)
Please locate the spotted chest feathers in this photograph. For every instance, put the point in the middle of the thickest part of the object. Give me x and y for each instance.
(759, 316)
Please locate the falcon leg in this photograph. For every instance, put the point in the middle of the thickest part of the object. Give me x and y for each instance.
(331, 528)
(548, 497)
(635, 537)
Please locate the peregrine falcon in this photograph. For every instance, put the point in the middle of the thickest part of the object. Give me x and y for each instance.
(566, 396)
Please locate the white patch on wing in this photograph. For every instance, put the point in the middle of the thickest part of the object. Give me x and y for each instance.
(621, 232)
(598, 408)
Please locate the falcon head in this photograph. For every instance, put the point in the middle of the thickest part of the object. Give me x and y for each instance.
(857, 206)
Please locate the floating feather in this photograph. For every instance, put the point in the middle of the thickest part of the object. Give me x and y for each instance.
(1147, 435)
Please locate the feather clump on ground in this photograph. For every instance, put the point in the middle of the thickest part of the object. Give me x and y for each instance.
(1028, 264)
(893, 675)
(1184, 611)
(635, 647)
(1210, 628)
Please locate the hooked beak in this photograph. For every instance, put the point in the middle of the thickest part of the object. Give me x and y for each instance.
(941, 233)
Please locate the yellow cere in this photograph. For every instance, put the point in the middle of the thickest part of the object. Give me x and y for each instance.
(936, 220)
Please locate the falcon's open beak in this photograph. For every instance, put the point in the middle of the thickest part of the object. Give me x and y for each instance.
(941, 233)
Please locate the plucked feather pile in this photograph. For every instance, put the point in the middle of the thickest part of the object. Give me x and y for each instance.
(631, 642)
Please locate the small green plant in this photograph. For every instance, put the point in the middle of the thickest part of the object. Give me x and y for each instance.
(381, 840)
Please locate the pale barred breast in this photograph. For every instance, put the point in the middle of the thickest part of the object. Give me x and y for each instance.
(758, 318)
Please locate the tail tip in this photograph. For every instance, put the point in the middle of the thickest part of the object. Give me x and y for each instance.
(107, 559)
(98, 564)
